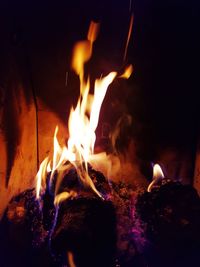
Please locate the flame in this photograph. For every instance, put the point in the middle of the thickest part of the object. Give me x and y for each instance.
(60, 155)
(49, 167)
(41, 176)
(70, 257)
(93, 31)
(127, 73)
(157, 176)
(129, 36)
(82, 53)
(63, 196)
(157, 172)
(82, 124)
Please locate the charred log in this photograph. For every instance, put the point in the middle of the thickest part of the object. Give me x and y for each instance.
(23, 237)
(36, 233)
(86, 228)
(171, 218)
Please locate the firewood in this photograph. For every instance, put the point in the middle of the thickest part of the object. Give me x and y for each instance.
(170, 215)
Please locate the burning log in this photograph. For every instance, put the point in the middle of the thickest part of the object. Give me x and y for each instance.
(170, 214)
(85, 226)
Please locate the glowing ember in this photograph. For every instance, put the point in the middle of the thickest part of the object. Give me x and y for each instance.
(82, 124)
(157, 176)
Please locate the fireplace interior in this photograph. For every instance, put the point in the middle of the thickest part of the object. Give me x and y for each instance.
(114, 218)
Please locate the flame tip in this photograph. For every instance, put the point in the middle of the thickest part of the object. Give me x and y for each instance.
(157, 176)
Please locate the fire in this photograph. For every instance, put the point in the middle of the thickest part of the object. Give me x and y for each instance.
(157, 176)
(63, 196)
(157, 172)
(127, 73)
(70, 257)
(82, 124)
(41, 175)
(129, 36)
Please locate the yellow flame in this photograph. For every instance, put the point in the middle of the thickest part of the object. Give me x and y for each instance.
(60, 155)
(82, 128)
(127, 73)
(49, 167)
(41, 176)
(157, 172)
(157, 176)
(82, 124)
(63, 196)
(82, 53)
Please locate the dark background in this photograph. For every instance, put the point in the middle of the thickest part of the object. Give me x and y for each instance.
(162, 95)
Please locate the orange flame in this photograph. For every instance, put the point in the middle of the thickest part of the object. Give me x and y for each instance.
(71, 259)
(127, 73)
(129, 36)
(82, 124)
(157, 176)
